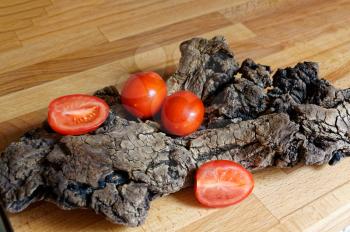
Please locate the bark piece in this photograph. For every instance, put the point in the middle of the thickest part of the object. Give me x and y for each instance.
(257, 73)
(205, 66)
(21, 169)
(242, 99)
(126, 163)
(304, 86)
(321, 110)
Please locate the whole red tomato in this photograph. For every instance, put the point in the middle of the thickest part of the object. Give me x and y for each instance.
(182, 113)
(143, 94)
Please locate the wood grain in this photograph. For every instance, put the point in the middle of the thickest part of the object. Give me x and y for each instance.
(101, 54)
(274, 184)
(9, 8)
(322, 214)
(92, 16)
(252, 214)
(8, 41)
(162, 17)
(50, 48)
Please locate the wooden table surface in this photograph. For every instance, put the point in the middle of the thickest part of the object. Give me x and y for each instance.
(49, 48)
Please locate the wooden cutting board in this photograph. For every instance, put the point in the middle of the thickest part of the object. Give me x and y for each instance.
(50, 48)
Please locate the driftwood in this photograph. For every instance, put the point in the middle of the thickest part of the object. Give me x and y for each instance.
(250, 118)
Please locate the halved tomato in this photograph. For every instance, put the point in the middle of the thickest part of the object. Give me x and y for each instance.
(77, 114)
(221, 183)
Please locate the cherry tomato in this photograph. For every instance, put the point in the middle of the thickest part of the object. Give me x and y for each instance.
(77, 114)
(221, 183)
(182, 113)
(143, 94)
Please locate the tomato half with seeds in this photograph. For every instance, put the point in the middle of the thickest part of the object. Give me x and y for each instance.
(77, 114)
(221, 183)
(143, 94)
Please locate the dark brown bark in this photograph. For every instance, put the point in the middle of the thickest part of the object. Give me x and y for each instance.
(118, 169)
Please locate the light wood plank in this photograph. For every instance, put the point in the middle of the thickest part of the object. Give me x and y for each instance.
(13, 26)
(162, 17)
(7, 3)
(8, 36)
(250, 216)
(46, 217)
(285, 27)
(90, 17)
(62, 6)
(284, 193)
(300, 50)
(292, 12)
(94, 56)
(28, 14)
(254, 9)
(94, 11)
(48, 47)
(8, 41)
(13, 8)
(13, 22)
(322, 214)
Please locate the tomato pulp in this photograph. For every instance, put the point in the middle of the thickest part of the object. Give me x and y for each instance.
(77, 114)
(221, 183)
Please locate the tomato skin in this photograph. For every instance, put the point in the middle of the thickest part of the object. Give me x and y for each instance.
(182, 113)
(143, 94)
(77, 114)
(221, 183)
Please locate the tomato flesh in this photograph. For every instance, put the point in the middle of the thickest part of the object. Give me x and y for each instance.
(143, 94)
(77, 114)
(221, 183)
(182, 113)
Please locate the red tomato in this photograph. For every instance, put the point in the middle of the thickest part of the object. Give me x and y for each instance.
(143, 94)
(182, 113)
(77, 114)
(221, 183)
